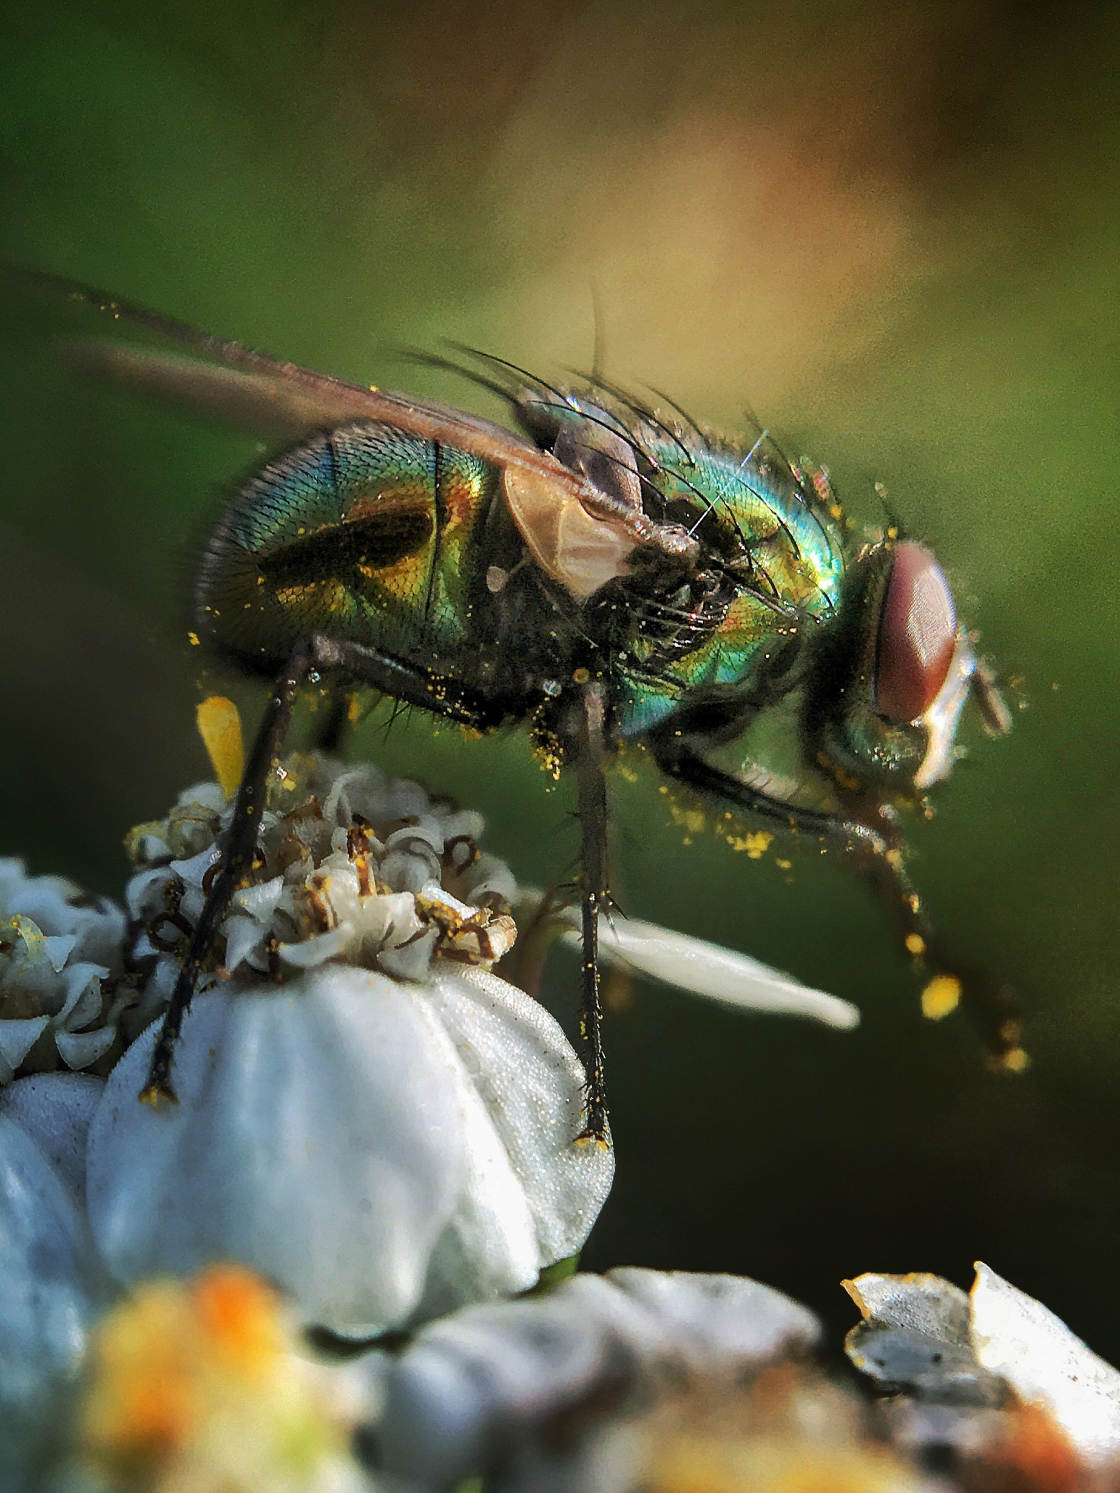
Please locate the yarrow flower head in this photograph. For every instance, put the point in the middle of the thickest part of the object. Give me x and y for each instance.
(351, 868)
(61, 978)
(366, 1113)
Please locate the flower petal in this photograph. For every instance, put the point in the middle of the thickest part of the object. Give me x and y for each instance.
(533, 1193)
(51, 1292)
(1017, 1337)
(56, 1110)
(721, 974)
(592, 1348)
(317, 1139)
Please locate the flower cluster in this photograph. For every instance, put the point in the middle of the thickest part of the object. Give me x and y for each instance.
(377, 1148)
(61, 986)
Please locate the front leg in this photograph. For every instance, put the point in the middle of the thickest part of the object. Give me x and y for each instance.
(589, 765)
(870, 838)
(310, 656)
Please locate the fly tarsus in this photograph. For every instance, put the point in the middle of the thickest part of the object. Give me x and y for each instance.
(874, 845)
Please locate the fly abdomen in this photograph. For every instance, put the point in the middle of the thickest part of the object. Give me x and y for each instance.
(365, 534)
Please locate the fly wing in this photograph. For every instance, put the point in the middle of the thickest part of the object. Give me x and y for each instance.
(267, 405)
(562, 515)
(262, 394)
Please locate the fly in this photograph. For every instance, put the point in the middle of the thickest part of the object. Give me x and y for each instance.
(609, 574)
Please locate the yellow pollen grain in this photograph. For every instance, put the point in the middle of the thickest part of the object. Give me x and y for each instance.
(598, 1141)
(1018, 1060)
(580, 676)
(756, 843)
(691, 821)
(219, 725)
(193, 639)
(915, 944)
(941, 996)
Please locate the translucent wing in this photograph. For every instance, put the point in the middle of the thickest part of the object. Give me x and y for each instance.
(577, 533)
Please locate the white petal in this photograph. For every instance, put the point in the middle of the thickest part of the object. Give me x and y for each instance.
(718, 1321)
(496, 1374)
(244, 938)
(488, 1248)
(720, 974)
(532, 1193)
(17, 1038)
(260, 901)
(915, 1336)
(316, 950)
(50, 1294)
(59, 947)
(532, 1083)
(317, 1139)
(81, 1001)
(82, 1049)
(56, 1110)
(1016, 1336)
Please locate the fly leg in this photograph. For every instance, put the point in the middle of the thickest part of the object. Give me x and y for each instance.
(876, 847)
(328, 738)
(310, 656)
(594, 896)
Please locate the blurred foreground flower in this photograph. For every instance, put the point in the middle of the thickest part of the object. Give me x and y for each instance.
(636, 1380)
(200, 1387)
(991, 1378)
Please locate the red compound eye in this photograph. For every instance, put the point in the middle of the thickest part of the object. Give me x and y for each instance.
(917, 635)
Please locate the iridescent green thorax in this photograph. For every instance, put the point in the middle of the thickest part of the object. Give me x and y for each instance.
(780, 562)
(367, 534)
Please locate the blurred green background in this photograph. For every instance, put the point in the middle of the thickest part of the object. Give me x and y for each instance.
(890, 230)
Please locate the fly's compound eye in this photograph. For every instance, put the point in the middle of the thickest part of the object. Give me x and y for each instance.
(917, 635)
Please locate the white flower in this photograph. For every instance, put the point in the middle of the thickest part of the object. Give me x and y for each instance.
(481, 1388)
(972, 1362)
(352, 867)
(52, 1290)
(382, 1150)
(61, 995)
